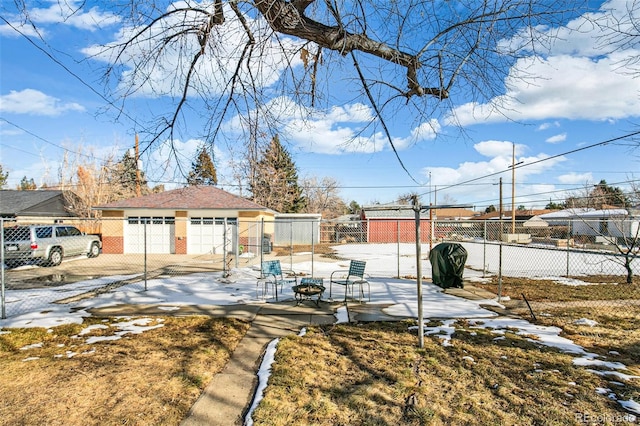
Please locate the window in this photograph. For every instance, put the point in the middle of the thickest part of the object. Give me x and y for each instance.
(44, 232)
(196, 220)
(61, 231)
(133, 220)
(169, 220)
(73, 232)
(158, 220)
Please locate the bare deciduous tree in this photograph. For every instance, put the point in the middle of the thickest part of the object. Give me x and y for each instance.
(246, 65)
(323, 196)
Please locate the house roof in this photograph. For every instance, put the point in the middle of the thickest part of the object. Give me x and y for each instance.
(584, 213)
(506, 215)
(15, 203)
(406, 212)
(188, 198)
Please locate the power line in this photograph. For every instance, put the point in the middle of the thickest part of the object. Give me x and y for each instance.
(45, 140)
(518, 166)
(68, 70)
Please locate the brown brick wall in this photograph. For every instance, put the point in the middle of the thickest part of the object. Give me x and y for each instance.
(112, 245)
(181, 245)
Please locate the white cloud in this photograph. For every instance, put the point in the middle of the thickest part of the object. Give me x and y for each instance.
(498, 148)
(34, 102)
(69, 13)
(576, 178)
(165, 75)
(337, 133)
(548, 125)
(342, 129)
(557, 138)
(426, 131)
(565, 87)
(18, 29)
(498, 165)
(580, 78)
(72, 13)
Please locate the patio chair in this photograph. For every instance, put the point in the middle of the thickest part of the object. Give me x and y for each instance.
(354, 276)
(271, 273)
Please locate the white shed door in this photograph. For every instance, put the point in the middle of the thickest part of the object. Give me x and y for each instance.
(160, 235)
(206, 235)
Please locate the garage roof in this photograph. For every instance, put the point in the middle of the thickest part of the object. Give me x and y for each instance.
(188, 198)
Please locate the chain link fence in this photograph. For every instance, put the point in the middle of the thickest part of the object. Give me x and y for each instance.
(534, 268)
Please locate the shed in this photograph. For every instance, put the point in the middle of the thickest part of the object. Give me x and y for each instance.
(297, 228)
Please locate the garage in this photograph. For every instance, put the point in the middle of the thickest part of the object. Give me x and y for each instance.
(158, 237)
(192, 220)
(207, 235)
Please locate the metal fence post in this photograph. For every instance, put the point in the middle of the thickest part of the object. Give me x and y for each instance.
(484, 250)
(312, 244)
(416, 208)
(145, 253)
(236, 242)
(290, 244)
(224, 248)
(398, 245)
(568, 242)
(261, 244)
(2, 265)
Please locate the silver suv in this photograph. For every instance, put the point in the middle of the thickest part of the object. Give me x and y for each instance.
(47, 245)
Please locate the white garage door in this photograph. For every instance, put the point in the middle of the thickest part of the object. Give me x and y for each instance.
(160, 235)
(207, 235)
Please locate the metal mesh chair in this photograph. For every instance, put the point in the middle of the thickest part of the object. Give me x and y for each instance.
(354, 276)
(271, 273)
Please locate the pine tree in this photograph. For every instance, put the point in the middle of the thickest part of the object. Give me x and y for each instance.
(203, 172)
(124, 177)
(605, 195)
(276, 180)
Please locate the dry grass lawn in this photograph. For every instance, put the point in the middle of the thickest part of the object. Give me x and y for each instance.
(374, 374)
(151, 378)
(347, 374)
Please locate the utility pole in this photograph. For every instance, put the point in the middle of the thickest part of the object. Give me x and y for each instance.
(513, 189)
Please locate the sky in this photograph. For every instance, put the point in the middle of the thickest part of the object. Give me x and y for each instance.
(37, 308)
(554, 128)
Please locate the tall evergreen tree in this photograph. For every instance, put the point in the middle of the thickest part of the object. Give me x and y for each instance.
(608, 195)
(124, 177)
(275, 184)
(203, 172)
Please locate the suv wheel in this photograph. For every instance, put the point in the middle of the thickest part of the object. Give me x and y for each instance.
(55, 257)
(94, 251)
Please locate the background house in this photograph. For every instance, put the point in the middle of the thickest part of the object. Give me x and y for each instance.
(191, 220)
(594, 225)
(386, 226)
(38, 206)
